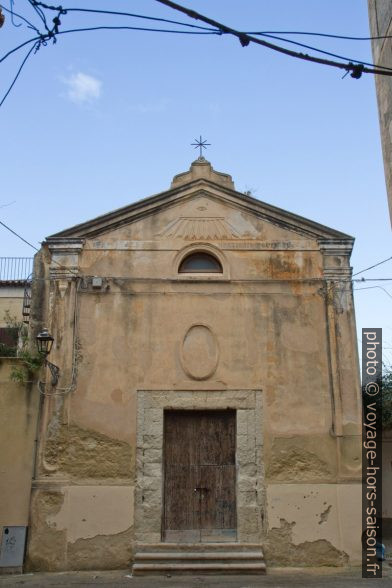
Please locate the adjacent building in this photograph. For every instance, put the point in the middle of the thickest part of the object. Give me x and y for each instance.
(15, 285)
(18, 414)
(380, 16)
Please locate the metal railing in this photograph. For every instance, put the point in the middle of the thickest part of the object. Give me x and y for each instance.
(15, 269)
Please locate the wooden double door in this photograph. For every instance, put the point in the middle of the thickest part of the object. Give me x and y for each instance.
(199, 476)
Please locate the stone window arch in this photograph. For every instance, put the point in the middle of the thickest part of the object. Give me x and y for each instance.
(200, 262)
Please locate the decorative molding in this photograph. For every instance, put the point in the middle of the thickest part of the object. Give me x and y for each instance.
(199, 352)
(168, 245)
(65, 257)
(335, 246)
(338, 274)
(336, 258)
(211, 228)
(194, 248)
(218, 193)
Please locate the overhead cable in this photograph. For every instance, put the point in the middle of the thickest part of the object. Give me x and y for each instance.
(13, 13)
(142, 16)
(371, 287)
(372, 266)
(337, 56)
(36, 248)
(327, 35)
(17, 235)
(356, 69)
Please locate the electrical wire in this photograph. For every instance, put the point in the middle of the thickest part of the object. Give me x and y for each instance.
(36, 248)
(44, 38)
(142, 16)
(371, 287)
(356, 69)
(337, 56)
(12, 15)
(372, 266)
(373, 280)
(40, 12)
(17, 74)
(12, 12)
(145, 29)
(18, 47)
(17, 235)
(327, 35)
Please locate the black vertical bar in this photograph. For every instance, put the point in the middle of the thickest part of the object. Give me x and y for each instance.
(372, 547)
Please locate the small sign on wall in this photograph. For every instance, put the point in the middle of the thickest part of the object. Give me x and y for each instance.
(12, 547)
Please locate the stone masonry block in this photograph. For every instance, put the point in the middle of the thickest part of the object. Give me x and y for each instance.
(246, 484)
(153, 470)
(248, 519)
(247, 499)
(246, 455)
(154, 428)
(152, 456)
(152, 441)
(154, 414)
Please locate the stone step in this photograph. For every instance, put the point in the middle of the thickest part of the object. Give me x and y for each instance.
(204, 547)
(146, 569)
(199, 558)
(197, 555)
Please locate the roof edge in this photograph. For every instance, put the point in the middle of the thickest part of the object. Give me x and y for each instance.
(146, 206)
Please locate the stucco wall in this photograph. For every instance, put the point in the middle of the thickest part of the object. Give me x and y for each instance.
(11, 300)
(380, 16)
(18, 425)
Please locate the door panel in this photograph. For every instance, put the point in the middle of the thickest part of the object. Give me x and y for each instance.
(200, 476)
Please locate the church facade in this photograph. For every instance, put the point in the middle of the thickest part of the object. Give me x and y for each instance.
(208, 407)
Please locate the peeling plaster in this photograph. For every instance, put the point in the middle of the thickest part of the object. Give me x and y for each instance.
(89, 511)
(280, 550)
(325, 514)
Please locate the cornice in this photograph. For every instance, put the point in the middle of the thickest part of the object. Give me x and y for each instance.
(202, 187)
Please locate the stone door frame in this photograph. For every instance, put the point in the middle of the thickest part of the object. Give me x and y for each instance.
(250, 489)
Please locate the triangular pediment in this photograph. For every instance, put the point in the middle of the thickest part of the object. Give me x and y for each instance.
(198, 208)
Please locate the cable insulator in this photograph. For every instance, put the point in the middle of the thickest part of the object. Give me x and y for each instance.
(357, 71)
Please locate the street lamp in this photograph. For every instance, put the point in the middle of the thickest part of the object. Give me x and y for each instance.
(44, 342)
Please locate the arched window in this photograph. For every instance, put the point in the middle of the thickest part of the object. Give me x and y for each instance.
(200, 262)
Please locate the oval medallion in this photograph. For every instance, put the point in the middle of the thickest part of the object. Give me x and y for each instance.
(199, 353)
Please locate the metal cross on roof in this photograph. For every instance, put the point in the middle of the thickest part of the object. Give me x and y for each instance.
(200, 144)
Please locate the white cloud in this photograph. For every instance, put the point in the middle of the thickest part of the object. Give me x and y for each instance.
(82, 88)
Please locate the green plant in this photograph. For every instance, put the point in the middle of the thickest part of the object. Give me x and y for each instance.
(32, 363)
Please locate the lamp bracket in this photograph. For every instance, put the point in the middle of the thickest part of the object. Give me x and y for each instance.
(54, 371)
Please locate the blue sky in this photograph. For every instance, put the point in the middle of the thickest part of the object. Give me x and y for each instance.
(101, 119)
